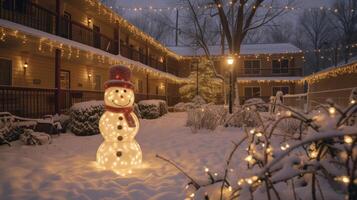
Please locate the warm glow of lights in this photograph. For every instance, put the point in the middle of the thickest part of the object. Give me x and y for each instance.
(230, 61)
(25, 65)
(288, 113)
(332, 110)
(313, 154)
(119, 152)
(206, 169)
(252, 131)
(353, 101)
(259, 134)
(192, 195)
(284, 146)
(348, 139)
(343, 179)
(248, 158)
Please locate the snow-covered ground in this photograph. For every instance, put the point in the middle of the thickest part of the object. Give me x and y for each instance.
(66, 169)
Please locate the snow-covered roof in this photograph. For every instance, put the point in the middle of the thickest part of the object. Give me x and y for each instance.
(246, 49)
(70, 43)
(280, 78)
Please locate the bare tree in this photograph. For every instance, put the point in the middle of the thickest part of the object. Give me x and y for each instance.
(280, 32)
(316, 26)
(156, 24)
(346, 18)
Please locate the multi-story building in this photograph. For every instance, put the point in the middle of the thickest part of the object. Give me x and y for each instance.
(261, 69)
(54, 53)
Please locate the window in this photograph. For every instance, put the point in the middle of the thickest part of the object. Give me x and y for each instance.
(5, 71)
(65, 78)
(252, 66)
(97, 82)
(284, 89)
(250, 92)
(140, 86)
(280, 66)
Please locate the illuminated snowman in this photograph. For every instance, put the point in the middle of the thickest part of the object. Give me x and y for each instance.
(119, 125)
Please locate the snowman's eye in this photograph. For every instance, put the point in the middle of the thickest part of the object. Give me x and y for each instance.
(116, 91)
(124, 90)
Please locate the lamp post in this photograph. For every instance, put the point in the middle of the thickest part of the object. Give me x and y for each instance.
(230, 62)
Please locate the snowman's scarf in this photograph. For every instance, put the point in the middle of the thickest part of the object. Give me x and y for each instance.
(126, 112)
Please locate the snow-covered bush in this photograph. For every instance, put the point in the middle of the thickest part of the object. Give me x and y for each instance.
(85, 117)
(319, 164)
(243, 117)
(182, 107)
(152, 109)
(261, 106)
(29, 137)
(205, 117)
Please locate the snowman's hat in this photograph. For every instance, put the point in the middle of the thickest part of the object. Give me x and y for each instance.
(119, 76)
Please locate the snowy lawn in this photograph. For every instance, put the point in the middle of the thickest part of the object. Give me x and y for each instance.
(66, 169)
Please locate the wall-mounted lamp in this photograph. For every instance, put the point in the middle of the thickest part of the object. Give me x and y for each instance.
(89, 21)
(89, 76)
(161, 59)
(25, 65)
(162, 86)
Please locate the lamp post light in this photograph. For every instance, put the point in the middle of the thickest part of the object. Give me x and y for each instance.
(230, 62)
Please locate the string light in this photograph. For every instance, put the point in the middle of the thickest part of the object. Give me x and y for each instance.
(66, 52)
(348, 139)
(339, 71)
(284, 146)
(343, 179)
(332, 110)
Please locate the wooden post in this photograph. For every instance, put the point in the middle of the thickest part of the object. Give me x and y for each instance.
(166, 96)
(118, 37)
(58, 17)
(57, 80)
(147, 86)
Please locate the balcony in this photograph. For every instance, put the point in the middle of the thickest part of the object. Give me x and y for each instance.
(269, 72)
(37, 17)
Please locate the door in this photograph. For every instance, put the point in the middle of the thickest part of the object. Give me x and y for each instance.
(65, 80)
(5, 71)
(97, 82)
(67, 25)
(96, 37)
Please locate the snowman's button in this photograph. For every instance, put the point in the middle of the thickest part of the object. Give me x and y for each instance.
(120, 138)
(119, 153)
(120, 118)
(120, 127)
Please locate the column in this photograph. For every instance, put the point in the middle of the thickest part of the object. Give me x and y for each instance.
(57, 81)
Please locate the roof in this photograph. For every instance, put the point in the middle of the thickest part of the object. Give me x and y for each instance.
(246, 49)
(262, 79)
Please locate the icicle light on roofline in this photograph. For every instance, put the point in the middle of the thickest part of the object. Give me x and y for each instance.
(67, 52)
(104, 10)
(346, 69)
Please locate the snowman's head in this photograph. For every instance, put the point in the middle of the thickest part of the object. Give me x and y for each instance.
(119, 97)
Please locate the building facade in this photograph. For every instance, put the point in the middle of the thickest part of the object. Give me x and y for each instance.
(58, 52)
(55, 53)
(261, 69)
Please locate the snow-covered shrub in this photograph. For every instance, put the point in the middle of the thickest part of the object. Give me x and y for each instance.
(10, 135)
(29, 137)
(85, 117)
(321, 164)
(244, 117)
(261, 106)
(182, 107)
(206, 117)
(152, 109)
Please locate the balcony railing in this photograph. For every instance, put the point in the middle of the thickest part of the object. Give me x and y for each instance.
(268, 72)
(37, 102)
(133, 54)
(37, 17)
